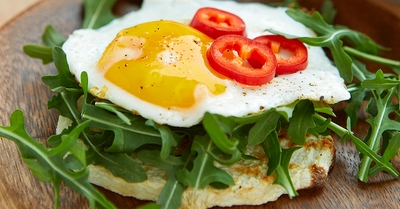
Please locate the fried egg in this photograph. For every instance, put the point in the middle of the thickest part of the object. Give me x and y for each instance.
(152, 63)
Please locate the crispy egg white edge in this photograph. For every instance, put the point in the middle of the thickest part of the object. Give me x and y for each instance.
(319, 82)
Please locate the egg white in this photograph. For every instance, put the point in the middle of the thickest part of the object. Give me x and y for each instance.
(319, 82)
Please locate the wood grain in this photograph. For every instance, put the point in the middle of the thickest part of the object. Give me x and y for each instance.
(22, 88)
(10, 9)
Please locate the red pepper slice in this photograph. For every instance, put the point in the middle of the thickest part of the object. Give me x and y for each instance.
(215, 23)
(244, 60)
(297, 62)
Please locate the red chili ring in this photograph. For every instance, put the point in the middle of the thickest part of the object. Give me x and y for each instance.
(215, 23)
(292, 64)
(254, 65)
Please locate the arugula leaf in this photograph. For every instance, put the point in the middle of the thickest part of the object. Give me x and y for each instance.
(287, 110)
(360, 145)
(97, 13)
(40, 52)
(204, 172)
(150, 206)
(115, 109)
(320, 128)
(64, 79)
(323, 108)
(218, 130)
(273, 150)
(379, 83)
(263, 128)
(328, 11)
(218, 127)
(360, 71)
(119, 164)
(66, 103)
(286, 3)
(50, 37)
(55, 140)
(386, 136)
(301, 121)
(391, 151)
(48, 164)
(282, 172)
(372, 57)
(127, 137)
(379, 124)
(171, 194)
(355, 104)
(167, 137)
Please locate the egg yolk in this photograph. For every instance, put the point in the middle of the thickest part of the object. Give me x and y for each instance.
(163, 63)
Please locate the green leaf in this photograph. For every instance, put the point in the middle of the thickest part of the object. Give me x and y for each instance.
(379, 124)
(250, 118)
(55, 140)
(50, 161)
(259, 132)
(301, 121)
(386, 136)
(171, 194)
(323, 108)
(66, 104)
(38, 170)
(360, 145)
(150, 206)
(71, 162)
(127, 137)
(119, 164)
(40, 52)
(287, 110)
(240, 133)
(355, 103)
(273, 150)
(204, 172)
(328, 11)
(115, 109)
(379, 83)
(64, 79)
(320, 128)
(360, 70)
(361, 52)
(217, 130)
(97, 13)
(282, 172)
(391, 151)
(168, 139)
(50, 37)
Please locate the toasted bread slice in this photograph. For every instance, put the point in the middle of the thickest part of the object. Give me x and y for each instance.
(308, 167)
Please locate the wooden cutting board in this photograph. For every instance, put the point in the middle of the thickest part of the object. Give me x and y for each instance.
(22, 88)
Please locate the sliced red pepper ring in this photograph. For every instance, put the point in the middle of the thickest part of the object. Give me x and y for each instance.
(244, 60)
(215, 23)
(292, 64)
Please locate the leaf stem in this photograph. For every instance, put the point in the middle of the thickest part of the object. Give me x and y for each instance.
(381, 60)
(287, 182)
(360, 145)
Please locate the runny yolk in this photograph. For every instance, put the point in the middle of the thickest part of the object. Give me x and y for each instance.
(163, 63)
